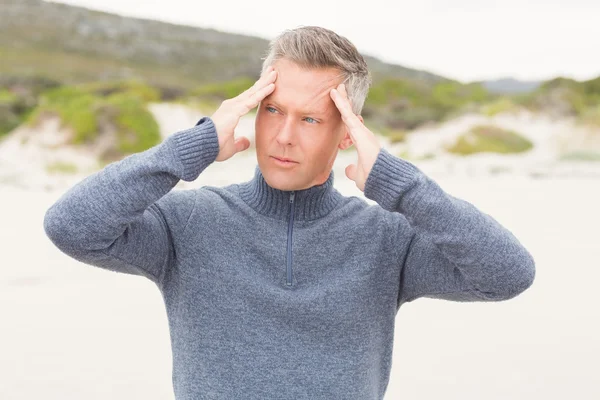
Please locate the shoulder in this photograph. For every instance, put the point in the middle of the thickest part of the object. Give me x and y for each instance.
(372, 218)
(357, 209)
(184, 201)
(178, 206)
(362, 208)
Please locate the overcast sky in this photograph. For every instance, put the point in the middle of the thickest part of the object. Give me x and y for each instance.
(461, 39)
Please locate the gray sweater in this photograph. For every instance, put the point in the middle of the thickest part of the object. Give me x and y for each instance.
(275, 294)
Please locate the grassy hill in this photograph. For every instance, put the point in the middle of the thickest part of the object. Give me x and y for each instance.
(73, 44)
(50, 51)
(565, 97)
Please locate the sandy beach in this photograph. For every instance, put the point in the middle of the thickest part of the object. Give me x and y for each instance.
(73, 331)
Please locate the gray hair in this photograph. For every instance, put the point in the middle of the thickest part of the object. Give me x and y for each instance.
(317, 47)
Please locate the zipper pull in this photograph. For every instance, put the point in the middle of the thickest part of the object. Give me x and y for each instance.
(292, 195)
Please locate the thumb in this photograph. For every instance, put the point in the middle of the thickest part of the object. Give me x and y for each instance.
(241, 144)
(351, 172)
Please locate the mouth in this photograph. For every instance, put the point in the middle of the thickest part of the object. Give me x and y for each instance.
(284, 161)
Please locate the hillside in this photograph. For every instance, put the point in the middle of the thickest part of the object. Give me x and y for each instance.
(68, 46)
(510, 86)
(564, 96)
(73, 44)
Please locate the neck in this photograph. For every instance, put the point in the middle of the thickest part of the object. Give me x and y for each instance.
(310, 203)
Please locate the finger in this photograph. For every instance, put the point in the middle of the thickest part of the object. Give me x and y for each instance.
(348, 98)
(350, 171)
(241, 144)
(269, 76)
(245, 97)
(252, 101)
(264, 77)
(344, 93)
(345, 109)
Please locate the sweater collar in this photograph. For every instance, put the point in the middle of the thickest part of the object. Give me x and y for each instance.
(311, 203)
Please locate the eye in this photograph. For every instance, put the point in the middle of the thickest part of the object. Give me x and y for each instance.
(310, 120)
(270, 109)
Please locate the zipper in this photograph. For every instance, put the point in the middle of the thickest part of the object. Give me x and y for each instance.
(289, 242)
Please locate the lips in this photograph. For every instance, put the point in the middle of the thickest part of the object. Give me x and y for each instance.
(284, 159)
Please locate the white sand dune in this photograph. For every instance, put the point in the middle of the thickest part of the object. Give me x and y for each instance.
(73, 331)
(551, 138)
(28, 153)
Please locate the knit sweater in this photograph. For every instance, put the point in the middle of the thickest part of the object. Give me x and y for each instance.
(274, 294)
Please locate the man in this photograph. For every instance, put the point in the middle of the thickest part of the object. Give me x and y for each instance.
(280, 287)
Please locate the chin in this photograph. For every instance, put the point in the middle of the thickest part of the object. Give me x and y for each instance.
(278, 179)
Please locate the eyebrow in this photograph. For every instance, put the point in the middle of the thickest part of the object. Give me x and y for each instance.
(306, 112)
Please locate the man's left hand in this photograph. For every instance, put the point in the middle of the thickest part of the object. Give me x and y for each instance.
(366, 143)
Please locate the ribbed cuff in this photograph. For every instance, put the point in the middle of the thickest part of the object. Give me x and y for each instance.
(196, 147)
(389, 179)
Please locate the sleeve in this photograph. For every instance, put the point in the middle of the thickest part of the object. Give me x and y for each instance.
(456, 252)
(114, 218)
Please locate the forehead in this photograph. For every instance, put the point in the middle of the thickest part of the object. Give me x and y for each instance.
(299, 89)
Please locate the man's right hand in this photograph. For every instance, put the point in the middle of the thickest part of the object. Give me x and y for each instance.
(229, 113)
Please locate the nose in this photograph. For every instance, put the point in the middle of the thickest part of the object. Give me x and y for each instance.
(286, 132)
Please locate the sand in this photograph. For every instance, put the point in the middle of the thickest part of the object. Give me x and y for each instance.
(73, 331)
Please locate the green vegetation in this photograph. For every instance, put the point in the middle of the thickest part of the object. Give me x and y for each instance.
(392, 107)
(485, 138)
(395, 135)
(60, 167)
(18, 97)
(136, 128)
(7, 97)
(74, 45)
(208, 97)
(203, 106)
(172, 59)
(75, 107)
(223, 90)
(88, 109)
(69, 67)
(591, 116)
(9, 118)
(404, 104)
(499, 106)
(16, 103)
(407, 155)
(567, 97)
(581, 156)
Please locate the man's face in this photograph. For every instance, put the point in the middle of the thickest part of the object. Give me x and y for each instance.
(299, 121)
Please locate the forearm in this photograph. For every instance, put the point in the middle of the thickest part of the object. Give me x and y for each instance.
(97, 211)
(488, 256)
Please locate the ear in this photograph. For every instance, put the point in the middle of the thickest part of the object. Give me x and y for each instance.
(347, 139)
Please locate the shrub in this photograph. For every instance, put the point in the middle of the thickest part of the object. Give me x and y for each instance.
(137, 129)
(486, 138)
(498, 106)
(60, 167)
(581, 155)
(88, 107)
(222, 90)
(591, 116)
(76, 109)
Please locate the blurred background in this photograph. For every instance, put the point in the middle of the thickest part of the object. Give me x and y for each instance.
(499, 102)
